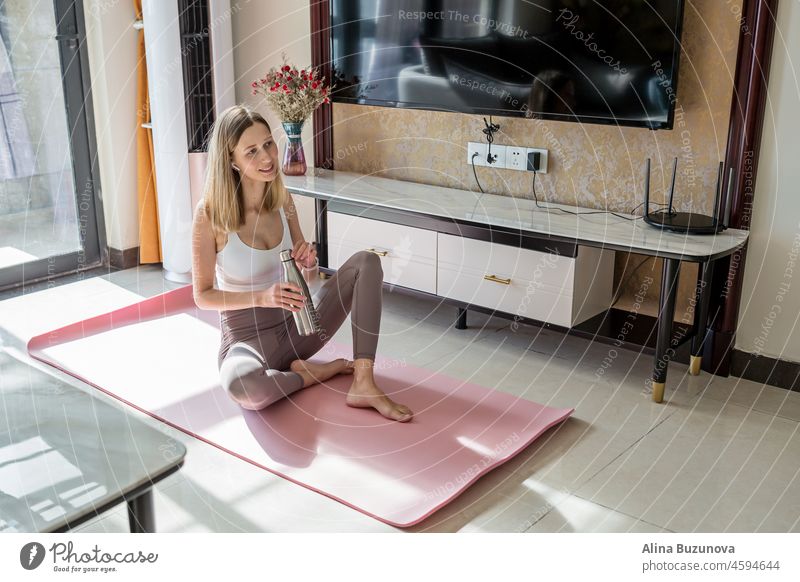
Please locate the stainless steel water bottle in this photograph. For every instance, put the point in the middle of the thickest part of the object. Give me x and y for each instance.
(306, 319)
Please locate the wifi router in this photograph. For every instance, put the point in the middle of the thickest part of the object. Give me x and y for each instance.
(689, 222)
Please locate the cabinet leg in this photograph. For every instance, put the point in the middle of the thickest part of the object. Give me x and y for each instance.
(461, 318)
(702, 298)
(666, 313)
(658, 391)
(141, 516)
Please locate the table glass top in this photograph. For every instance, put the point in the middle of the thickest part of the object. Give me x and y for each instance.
(64, 452)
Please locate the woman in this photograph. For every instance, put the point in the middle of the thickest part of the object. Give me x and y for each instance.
(245, 219)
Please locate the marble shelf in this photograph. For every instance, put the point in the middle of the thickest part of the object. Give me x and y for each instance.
(465, 206)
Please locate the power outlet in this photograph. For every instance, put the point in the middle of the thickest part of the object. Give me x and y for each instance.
(516, 158)
(499, 153)
(477, 148)
(482, 149)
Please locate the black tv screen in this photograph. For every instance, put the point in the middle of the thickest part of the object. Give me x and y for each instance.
(591, 61)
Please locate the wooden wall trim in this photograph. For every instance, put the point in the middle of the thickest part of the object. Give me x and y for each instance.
(323, 115)
(748, 106)
(321, 59)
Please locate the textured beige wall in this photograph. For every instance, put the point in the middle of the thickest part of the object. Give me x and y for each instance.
(592, 166)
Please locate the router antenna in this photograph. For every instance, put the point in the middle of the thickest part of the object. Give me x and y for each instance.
(718, 196)
(688, 222)
(672, 187)
(728, 200)
(647, 187)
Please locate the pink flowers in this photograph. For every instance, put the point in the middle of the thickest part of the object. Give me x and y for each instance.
(292, 93)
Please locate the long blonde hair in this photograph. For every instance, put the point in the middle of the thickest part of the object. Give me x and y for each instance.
(222, 193)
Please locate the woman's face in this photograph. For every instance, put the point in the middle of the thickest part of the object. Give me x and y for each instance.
(256, 154)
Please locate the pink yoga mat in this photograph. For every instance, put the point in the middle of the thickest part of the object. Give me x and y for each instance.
(160, 356)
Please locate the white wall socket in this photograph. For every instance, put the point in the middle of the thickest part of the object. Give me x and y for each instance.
(482, 151)
(509, 157)
(500, 152)
(516, 158)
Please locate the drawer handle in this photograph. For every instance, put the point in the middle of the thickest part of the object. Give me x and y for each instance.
(497, 279)
(381, 253)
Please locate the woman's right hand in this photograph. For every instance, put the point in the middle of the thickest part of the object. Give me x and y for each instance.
(288, 296)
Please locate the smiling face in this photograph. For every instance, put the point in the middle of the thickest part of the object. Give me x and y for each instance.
(256, 154)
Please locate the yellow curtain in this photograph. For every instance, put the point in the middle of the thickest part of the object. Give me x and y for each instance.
(149, 237)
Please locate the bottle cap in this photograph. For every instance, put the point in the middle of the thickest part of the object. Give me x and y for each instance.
(286, 255)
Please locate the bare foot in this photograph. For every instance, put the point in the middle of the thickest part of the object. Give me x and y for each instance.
(365, 394)
(313, 372)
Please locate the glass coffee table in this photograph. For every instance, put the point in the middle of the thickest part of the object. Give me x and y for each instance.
(67, 456)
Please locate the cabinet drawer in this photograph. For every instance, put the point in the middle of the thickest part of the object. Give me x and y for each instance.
(479, 257)
(517, 297)
(517, 281)
(408, 254)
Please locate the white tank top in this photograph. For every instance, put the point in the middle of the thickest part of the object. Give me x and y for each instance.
(241, 267)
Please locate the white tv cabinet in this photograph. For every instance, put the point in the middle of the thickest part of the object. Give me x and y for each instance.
(503, 255)
(540, 285)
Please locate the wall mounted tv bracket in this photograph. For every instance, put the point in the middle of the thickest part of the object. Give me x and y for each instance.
(689, 222)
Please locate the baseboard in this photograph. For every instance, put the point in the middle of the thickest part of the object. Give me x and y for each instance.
(766, 370)
(123, 259)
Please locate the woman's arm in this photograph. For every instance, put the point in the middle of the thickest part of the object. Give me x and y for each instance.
(204, 259)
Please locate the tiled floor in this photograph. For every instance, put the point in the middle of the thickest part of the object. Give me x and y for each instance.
(720, 454)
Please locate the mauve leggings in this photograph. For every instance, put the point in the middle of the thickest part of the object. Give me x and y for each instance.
(259, 343)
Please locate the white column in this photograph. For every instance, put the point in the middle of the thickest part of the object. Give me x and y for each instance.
(165, 85)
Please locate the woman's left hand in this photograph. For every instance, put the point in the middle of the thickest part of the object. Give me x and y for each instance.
(305, 254)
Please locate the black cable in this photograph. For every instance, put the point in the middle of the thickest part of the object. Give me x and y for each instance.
(476, 174)
(628, 278)
(635, 269)
(662, 204)
(633, 272)
(491, 127)
(536, 199)
(538, 205)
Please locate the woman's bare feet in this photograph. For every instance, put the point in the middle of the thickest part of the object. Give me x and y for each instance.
(364, 393)
(313, 373)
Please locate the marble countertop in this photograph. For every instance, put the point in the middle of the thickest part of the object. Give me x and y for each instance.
(513, 212)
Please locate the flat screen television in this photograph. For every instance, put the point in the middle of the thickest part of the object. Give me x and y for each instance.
(589, 61)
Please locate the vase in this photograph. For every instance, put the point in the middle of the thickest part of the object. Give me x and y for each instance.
(294, 159)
